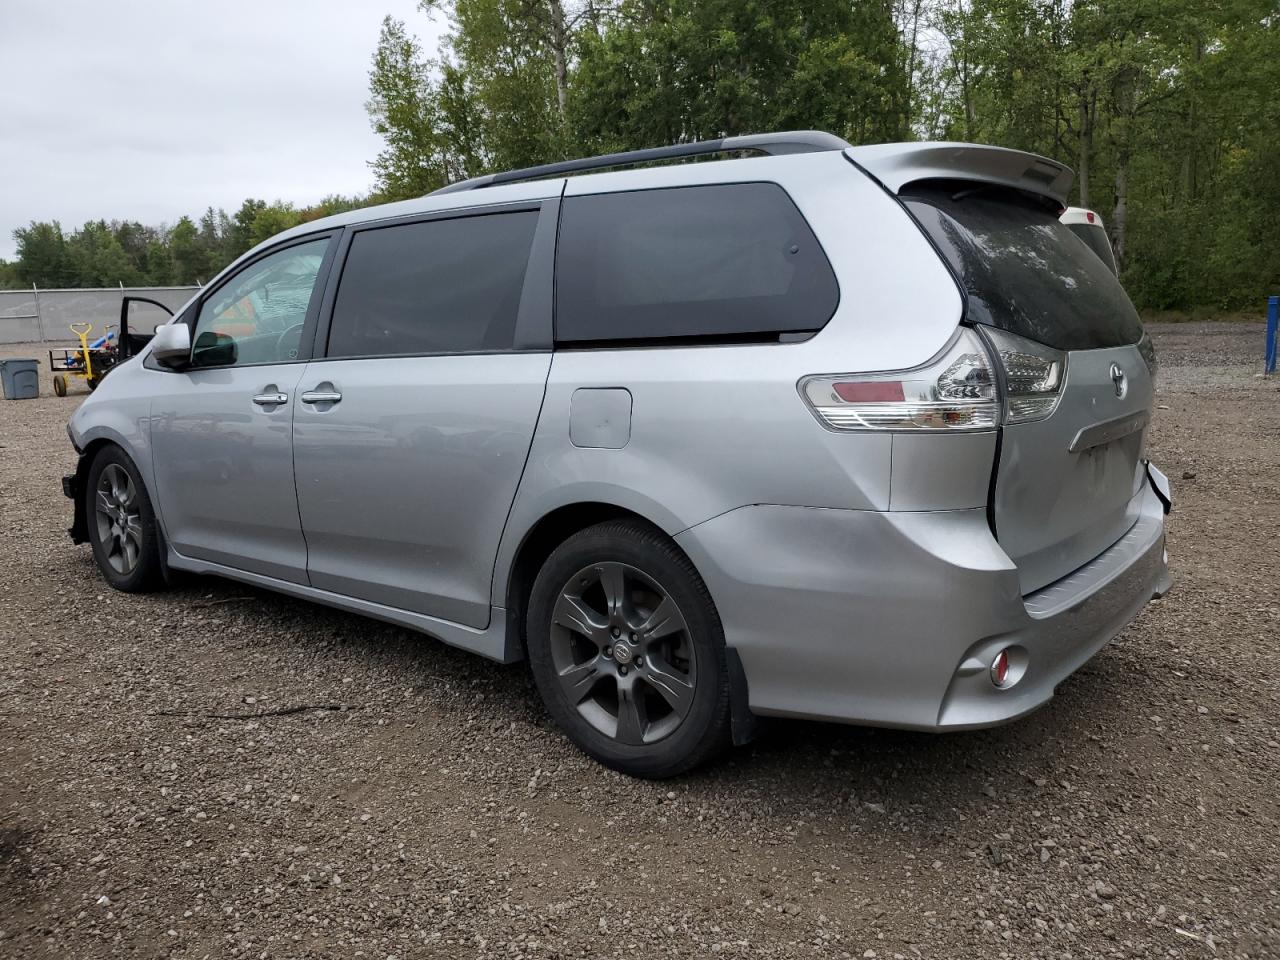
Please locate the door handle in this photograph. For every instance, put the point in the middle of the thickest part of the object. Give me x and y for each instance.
(271, 399)
(321, 396)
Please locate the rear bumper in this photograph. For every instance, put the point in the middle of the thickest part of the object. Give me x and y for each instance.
(892, 619)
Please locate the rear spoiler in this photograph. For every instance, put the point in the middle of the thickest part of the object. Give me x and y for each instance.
(897, 164)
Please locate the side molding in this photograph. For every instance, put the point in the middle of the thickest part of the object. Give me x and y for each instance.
(489, 642)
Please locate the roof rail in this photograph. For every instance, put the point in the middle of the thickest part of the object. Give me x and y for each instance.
(771, 144)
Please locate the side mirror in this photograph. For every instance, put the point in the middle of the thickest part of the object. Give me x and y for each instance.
(171, 346)
(214, 349)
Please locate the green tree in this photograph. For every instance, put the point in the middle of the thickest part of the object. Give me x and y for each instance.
(240, 237)
(662, 71)
(403, 105)
(189, 259)
(43, 257)
(98, 259)
(272, 219)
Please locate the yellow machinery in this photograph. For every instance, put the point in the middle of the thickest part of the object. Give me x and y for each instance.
(91, 361)
(95, 360)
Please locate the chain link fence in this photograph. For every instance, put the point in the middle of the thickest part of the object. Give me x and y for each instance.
(45, 316)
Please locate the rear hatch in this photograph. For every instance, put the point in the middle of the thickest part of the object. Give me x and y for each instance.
(1066, 484)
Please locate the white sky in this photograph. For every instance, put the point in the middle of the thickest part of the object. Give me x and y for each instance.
(122, 109)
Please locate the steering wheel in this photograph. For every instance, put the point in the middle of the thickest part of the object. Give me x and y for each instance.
(280, 342)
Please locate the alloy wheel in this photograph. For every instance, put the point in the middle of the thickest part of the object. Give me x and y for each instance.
(118, 518)
(622, 653)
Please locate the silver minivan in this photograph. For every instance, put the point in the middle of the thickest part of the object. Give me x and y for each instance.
(850, 433)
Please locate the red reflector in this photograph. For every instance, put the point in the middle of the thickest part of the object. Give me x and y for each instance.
(1000, 668)
(1090, 217)
(884, 391)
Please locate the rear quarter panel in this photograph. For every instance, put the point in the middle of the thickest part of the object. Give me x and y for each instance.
(714, 428)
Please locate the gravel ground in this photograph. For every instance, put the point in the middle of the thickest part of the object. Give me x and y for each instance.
(144, 812)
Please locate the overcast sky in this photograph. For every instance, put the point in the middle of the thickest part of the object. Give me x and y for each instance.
(123, 109)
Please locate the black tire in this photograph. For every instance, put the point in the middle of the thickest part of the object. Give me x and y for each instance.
(59, 384)
(667, 682)
(122, 530)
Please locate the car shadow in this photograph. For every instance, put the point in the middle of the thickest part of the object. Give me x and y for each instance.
(792, 767)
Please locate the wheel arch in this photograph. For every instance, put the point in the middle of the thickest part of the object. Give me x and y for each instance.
(80, 520)
(553, 529)
(93, 446)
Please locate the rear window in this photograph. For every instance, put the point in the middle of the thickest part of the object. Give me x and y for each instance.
(720, 262)
(1095, 238)
(1022, 270)
(435, 286)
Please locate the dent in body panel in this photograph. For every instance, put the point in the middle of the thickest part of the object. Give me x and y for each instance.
(712, 428)
(938, 471)
(855, 615)
(1056, 509)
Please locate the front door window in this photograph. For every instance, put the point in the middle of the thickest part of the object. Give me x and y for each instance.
(258, 315)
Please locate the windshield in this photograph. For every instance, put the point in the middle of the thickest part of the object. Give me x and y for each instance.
(1022, 270)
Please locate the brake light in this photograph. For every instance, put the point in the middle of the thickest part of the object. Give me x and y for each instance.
(890, 390)
(957, 390)
(954, 391)
(1033, 376)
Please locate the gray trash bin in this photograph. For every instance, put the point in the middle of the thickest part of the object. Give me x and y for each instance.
(20, 378)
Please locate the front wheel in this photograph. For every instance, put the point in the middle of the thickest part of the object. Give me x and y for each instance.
(628, 652)
(122, 524)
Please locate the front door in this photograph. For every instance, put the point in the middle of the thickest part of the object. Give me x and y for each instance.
(222, 429)
(411, 434)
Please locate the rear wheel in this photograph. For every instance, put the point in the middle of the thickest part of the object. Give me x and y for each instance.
(59, 384)
(627, 651)
(122, 524)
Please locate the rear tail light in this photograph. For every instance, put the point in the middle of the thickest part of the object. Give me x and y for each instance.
(954, 391)
(1148, 351)
(957, 390)
(1033, 376)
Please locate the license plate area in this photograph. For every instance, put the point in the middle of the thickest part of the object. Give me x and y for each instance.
(1108, 431)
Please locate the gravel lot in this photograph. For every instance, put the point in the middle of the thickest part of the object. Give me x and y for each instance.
(145, 813)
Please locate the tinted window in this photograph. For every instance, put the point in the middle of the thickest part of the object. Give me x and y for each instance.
(1096, 239)
(730, 261)
(436, 286)
(258, 314)
(1024, 271)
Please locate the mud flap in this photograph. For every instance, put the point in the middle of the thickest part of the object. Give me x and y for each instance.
(742, 722)
(72, 485)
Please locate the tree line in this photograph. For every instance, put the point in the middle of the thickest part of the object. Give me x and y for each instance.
(1167, 110)
(109, 253)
